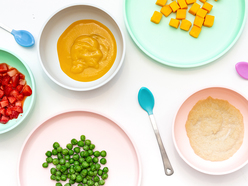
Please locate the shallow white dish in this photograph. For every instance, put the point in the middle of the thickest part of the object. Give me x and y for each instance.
(56, 25)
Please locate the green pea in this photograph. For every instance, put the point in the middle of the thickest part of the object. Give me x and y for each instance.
(82, 137)
(95, 173)
(91, 173)
(104, 176)
(67, 157)
(49, 160)
(62, 161)
(57, 178)
(91, 163)
(80, 143)
(96, 184)
(103, 153)
(71, 152)
(74, 142)
(92, 146)
(96, 179)
(69, 176)
(100, 172)
(58, 167)
(55, 161)
(79, 178)
(95, 160)
(67, 184)
(58, 173)
(59, 149)
(85, 164)
(105, 169)
(81, 160)
(90, 152)
(71, 171)
(103, 161)
(86, 147)
(98, 166)
(93, 167)
(53, 171)
(101, 182)
(58, 184)
(84, 172)
(90, 182)
(63, 168)
(56, 145)
(84, 181)
(75, 157)
(89, 177)
(72, 167)
(65, 172)
(52, 177)
(89, 159)
(76, 163)
(79, 184)
(65, 151)
(77, 168)
(77, 149)
(48, 153)
(71, 161)
(96, 153)
(73, 176)
(59, 156)
(45, 165)
(67, 164)
(63, 177)
(69, 146)
(54, 152)
(87, 142)
(71, 181)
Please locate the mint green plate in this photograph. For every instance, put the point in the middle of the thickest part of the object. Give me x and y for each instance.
(11, 59)
(175, 47)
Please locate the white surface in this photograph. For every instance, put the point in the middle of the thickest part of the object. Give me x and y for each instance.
(118, 98)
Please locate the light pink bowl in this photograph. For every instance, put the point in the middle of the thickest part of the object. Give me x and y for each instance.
(181, 141)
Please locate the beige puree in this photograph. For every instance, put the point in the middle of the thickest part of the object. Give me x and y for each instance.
(215, 129)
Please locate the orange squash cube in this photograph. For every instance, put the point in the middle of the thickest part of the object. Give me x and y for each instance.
(194, 8)
(174, 6)
(203, 1)
(208, 7)
(181, 14)
(182, 4)
(209, 21)
(185, 25)
(190, 1)
(195, 31)
(156, 17)
(202, 13)
(174, 23)
(198, 21)
(161, 2)
(166, 10)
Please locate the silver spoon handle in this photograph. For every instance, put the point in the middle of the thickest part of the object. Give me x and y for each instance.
(167, 166)
(5, 28)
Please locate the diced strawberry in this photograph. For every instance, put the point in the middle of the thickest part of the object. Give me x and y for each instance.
(22, 76)
(12, 99)
(7, 90)
(22, 82)
(15, 80)
(14, 93)
(20, 97)
(26, 91)
(4, 98)
(4, 119)
(18, 103)
(17, 109)
(8, 112)
(5, 80)
(3, 68)
(4, 103)
(12, 72)
(1, 93)
(3, 111)
(19, 88)
(15, 114)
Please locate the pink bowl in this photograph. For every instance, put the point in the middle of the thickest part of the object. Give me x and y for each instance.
(181, 141)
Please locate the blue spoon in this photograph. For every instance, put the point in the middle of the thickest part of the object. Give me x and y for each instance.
(22, 37)
(146, 101)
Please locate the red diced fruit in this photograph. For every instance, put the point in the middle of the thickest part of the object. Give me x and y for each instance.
(15, 114)
(18, 103)
(12, 72)
(4, 98)
(4, 103)
(14, 93)
(2, 111)
(5, 80)
(3, 68)
(20, 97)
(12, 99)
(22, 82)
(15, 80)
(19, 88)
(1, 93)
(22, 76)
(26, 91)
(17, 109)
(7, 90)
(8, 112)
(4, 119)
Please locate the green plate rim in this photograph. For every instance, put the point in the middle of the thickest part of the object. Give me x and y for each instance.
(177, 65)
(20, 120)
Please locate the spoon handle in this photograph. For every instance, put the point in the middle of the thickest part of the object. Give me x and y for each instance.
(167, 166)
(5, 28)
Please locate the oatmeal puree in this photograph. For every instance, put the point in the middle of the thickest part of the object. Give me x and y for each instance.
(215, 129)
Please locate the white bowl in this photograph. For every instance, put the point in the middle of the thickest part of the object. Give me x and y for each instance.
(56, 25)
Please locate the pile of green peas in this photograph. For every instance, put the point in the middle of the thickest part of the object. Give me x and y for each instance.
(81, 167)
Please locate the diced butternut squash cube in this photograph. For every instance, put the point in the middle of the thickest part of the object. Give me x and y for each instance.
(190, 1)
(194, 8)
(174, 23)
(161, 2)
(202, 13)
(203, 1)
(208, 7)
(195, 31)
(156, 17)
(182, 4)
(174, 6)
(198, 21)
(166, 10)
(181, 14)
(185, 25)
(209, 21)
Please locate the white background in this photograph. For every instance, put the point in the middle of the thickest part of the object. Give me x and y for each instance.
(118, 98)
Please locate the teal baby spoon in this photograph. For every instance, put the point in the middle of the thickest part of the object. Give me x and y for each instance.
(22, 37)
(146, 101)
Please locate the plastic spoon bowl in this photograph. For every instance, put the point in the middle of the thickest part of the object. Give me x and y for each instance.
(22, 37)
(146, 101)
(242, 69)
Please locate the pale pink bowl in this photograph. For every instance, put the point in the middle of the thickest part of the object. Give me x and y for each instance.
(181, 141)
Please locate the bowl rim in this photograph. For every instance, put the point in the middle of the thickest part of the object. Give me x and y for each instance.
(122, 38)
(173, 132)
(33, 90)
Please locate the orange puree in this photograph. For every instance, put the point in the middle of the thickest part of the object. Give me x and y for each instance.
(86, 50)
